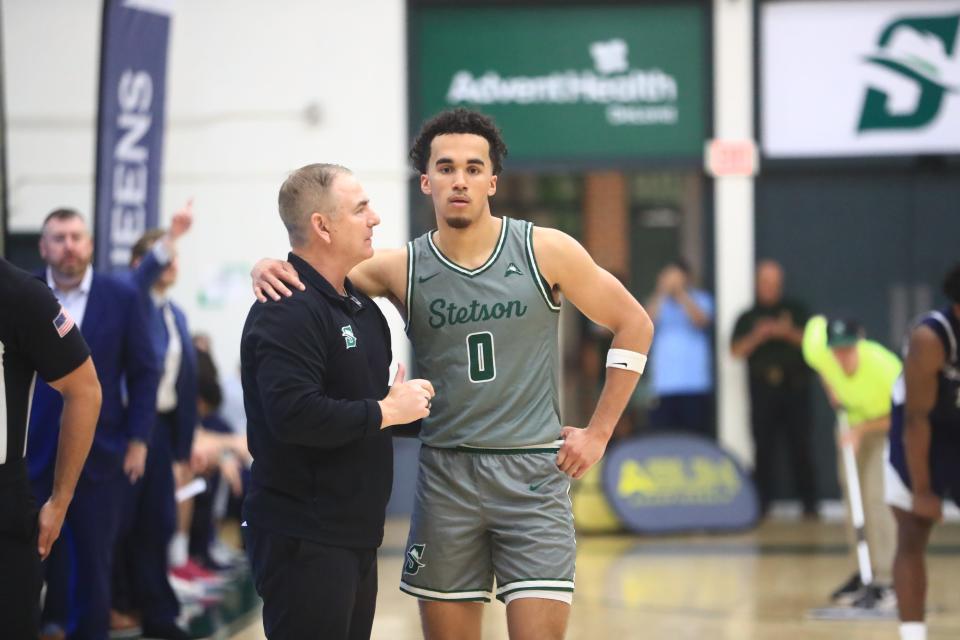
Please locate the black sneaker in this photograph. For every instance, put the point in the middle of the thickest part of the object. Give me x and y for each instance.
(848, 591)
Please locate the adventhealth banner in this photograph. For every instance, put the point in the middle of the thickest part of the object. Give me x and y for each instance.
(570, 83)
(133, 70)
(860, 78)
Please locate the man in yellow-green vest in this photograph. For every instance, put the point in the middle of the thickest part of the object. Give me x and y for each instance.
(858, 376)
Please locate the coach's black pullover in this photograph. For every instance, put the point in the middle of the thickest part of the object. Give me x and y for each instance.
(313, 367)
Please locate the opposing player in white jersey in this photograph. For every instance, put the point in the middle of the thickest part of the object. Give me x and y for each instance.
(481, 296)
(923, 464)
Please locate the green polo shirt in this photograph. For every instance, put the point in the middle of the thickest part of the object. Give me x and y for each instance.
(866, 394)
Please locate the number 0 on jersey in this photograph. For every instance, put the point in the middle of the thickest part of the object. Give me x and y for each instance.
(480, 356)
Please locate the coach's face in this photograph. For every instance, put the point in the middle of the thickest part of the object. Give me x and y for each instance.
(350, 226)
(66, 246)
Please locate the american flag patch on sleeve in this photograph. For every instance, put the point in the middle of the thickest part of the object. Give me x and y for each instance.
(63, 322)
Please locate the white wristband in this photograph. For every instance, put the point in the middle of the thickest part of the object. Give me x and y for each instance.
(629, 360)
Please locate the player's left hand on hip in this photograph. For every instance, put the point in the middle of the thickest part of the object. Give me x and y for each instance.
(581, 450)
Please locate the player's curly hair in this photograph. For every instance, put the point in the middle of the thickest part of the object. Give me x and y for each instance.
(951, 284)
(458, 120)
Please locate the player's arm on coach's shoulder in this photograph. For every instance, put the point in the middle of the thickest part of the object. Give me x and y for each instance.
(383, 275)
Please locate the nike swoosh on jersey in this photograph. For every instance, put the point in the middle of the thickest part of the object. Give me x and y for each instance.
(423, 279)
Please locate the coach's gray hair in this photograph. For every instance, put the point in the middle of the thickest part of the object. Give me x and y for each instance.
(305, 191)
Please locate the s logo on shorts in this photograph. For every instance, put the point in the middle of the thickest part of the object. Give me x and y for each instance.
(414, 556)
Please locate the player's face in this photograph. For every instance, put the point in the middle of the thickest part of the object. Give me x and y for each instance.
(459, 178)
(351, 229)
(66, 246)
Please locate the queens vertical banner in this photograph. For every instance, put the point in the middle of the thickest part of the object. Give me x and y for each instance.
(133, 70)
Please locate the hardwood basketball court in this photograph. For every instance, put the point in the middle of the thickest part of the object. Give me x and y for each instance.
(757, 585)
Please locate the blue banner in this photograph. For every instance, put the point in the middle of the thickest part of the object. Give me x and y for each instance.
(133, 71)
(678, 483)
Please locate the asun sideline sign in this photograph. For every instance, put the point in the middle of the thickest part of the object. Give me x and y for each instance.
(860, 78)
(570, 83)
(669, 483)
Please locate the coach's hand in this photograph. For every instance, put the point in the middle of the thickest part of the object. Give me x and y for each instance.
(270, 278)
(581, 449)
(928, 505)
(408, 400)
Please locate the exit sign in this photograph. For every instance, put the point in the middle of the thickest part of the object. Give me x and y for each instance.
(731, 158)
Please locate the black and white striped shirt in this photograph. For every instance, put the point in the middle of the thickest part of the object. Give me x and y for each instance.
(37, 336)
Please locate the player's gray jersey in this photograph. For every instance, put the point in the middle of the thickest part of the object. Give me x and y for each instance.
(487, 340)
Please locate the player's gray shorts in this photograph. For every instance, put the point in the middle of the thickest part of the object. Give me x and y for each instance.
(488, 513)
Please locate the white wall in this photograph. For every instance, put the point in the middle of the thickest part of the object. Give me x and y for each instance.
(242, 77)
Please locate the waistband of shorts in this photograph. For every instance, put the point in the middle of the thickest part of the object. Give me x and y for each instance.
(548, 447)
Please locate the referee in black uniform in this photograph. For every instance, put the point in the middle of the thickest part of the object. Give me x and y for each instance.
(37, 336)
(315, 373)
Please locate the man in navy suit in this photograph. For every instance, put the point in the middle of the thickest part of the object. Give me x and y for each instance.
(114, 324)
(150, 519)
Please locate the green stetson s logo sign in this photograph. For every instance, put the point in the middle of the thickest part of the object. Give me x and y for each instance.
(921, 51)
(414, 557)
(349, 339)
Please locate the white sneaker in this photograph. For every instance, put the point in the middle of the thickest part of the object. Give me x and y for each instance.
(224, 554)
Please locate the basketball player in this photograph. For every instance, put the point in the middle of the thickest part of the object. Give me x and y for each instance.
(482, 301)
(923, 466)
